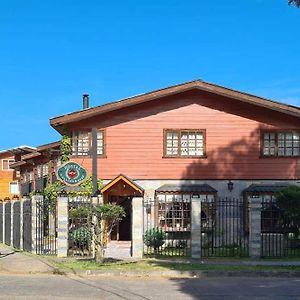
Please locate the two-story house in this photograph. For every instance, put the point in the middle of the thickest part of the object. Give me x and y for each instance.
(192, 138)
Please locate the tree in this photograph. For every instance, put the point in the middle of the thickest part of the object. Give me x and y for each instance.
(294, 2)
(288, 200)
(105, 218)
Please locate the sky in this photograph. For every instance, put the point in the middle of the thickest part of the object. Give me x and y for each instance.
(52, 52)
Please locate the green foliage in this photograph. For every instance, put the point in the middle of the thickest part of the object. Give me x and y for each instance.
(288, 200)
(294, 2)
(81, 237)
(154, 238)
(81, 212)
(51, 193)
(65, 148)
(110, 213)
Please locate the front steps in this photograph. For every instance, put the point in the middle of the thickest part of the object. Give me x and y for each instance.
(118, 250)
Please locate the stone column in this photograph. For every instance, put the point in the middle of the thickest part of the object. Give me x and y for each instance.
(137, 227)
(255, 227)
(196, 227)
(21, 223)
(62, 226)
(36, 223)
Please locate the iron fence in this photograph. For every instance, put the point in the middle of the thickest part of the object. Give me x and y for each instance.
(167, 224)
(280, 235)
(80, 236)
(223, 233)
(46, 227)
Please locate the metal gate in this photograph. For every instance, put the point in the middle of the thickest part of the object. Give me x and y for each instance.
(280, 236)
(7, 223)
(16, 224)
(1, 222)
(27, 223)
(46, 227)
(167, 223)
(223, 232)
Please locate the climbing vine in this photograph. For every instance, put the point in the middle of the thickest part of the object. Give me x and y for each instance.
(65, 148)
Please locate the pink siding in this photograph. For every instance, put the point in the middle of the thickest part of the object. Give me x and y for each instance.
(134, 140)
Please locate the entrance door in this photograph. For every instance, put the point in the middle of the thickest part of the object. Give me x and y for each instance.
(122, 232)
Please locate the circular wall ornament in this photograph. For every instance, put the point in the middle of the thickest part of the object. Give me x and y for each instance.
(71, 173)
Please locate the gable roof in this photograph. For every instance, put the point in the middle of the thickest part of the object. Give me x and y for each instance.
(125, 179)
(59, 121)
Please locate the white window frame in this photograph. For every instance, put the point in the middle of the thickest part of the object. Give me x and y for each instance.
(10, 161)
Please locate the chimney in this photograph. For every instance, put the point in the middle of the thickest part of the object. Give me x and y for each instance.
(86, 101)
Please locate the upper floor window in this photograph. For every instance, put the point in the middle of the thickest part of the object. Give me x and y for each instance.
(82, 142)
(184, 143)
(281, 144)
(6, 164)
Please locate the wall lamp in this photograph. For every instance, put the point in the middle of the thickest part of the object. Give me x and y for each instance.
(230, 185)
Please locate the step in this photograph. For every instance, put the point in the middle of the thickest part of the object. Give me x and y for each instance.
(118, 249)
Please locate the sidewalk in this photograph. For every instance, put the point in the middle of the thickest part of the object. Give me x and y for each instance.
(12, 261)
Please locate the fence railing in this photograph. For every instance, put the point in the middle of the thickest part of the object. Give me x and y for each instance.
(80, 235)
(222, 228)
(280, 235)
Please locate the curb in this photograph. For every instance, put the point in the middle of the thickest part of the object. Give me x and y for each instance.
(180, 274)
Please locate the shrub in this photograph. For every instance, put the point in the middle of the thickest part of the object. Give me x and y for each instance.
(154, 238)
(81, 237)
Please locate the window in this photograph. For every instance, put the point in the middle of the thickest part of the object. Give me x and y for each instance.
(174, 212)
(281, 144)
(100, 142)
(6, 164)
(14, 188)
(184, 143)
(81, 142)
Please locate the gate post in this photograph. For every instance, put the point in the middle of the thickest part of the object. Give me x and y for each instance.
(36, 223)
(137, 227)
(255, 227)
(196, 227)
(62, 225)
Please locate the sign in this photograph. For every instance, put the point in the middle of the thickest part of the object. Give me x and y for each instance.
(71, 173)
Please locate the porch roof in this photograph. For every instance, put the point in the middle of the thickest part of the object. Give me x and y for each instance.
(265, 188)
(186, 188)
(130, 182)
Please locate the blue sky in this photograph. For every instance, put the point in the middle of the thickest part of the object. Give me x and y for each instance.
(51, 52)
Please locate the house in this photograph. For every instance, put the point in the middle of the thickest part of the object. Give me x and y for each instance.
(194, 139)
(9, 186)
(37, 168)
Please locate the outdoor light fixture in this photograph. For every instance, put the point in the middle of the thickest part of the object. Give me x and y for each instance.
(230, 185)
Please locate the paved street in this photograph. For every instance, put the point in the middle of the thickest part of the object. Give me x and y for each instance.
(62, 287)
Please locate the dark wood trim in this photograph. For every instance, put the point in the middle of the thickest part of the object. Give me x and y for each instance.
(60, 121)
(179, 130)
(276, 132)
(89, 131)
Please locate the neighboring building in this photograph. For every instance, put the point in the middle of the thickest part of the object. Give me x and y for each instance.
(37, 168)
(9, 185)
(190, 139)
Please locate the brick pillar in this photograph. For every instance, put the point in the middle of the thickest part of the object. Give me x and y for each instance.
(62, 226)
(255, 227)
(196, 227)
(137, 227)
(36, 223)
